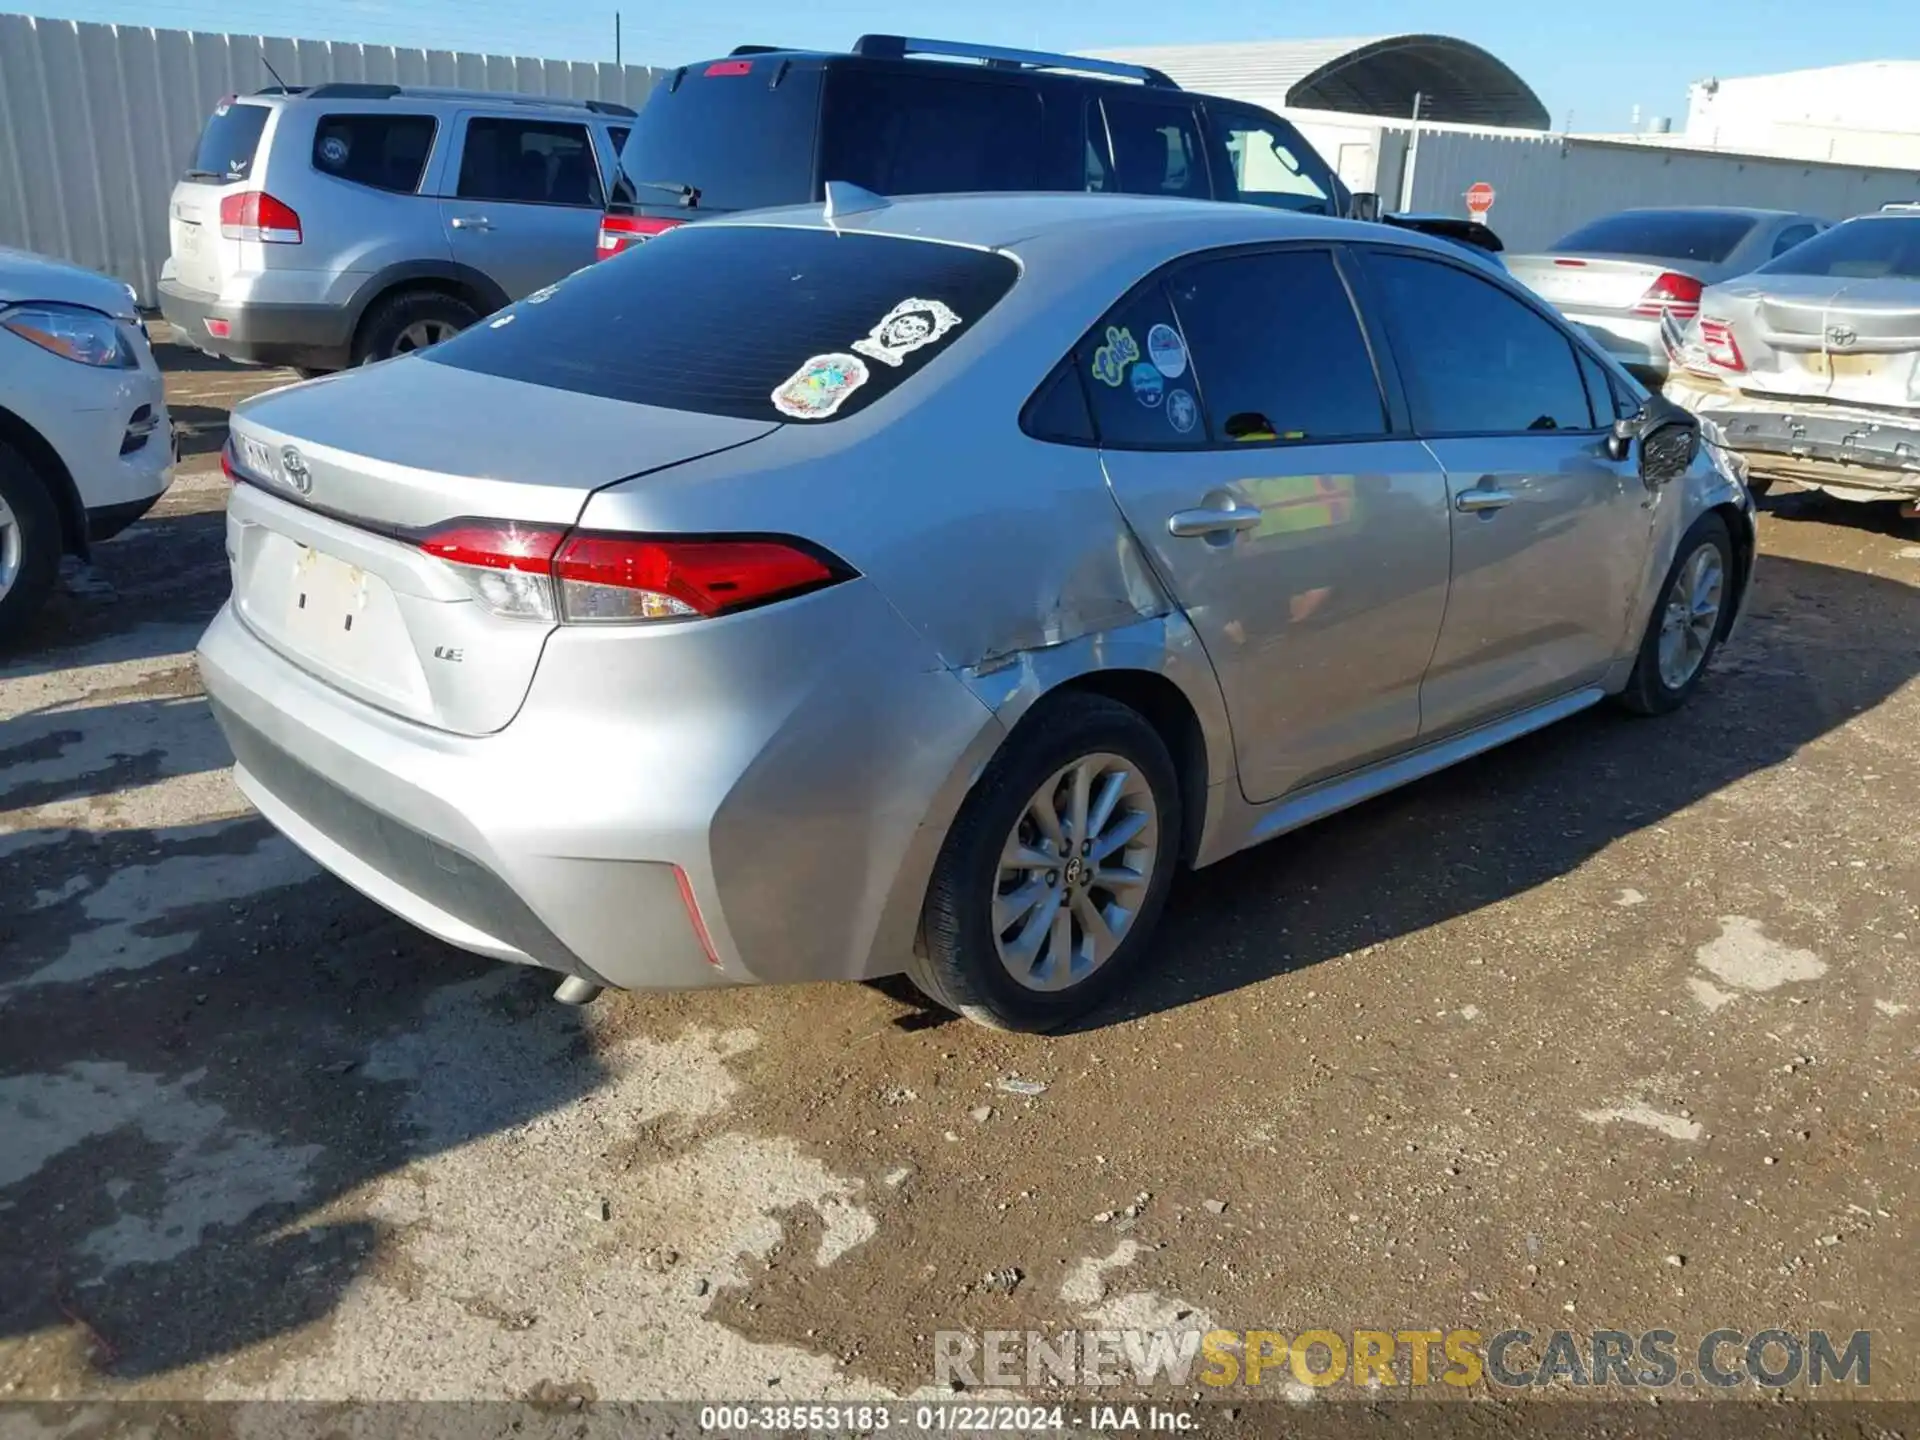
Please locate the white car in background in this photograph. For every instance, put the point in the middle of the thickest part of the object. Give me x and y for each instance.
(86, 445)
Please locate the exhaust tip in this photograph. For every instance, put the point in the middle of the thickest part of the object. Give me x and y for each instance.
(575, 991)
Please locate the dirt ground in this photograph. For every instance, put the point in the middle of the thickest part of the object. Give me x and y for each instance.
(1614, 1028)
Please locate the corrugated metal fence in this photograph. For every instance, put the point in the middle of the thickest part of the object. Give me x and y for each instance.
(98, 121)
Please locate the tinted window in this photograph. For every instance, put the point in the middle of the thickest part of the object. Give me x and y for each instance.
(228, 143)
(718, 318)
(1156, 148)
(1137, 402)
(1475, 360)
(1708, 236)
(1864, 249)
(1793, 235)
(1603, 398)
(1267, 163)
(928, 135)
(386, 152)
(618, 135)
(744, 142)
(534, 162)
(1278, 348)
(1058, 410)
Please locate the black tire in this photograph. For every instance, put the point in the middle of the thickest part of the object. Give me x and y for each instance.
(384, 330)
(961, 967)
(1647, 691)
(36, 523)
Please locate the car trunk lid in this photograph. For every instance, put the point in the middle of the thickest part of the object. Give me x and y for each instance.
(1587, 282)
(1853, 341)
(345, 478)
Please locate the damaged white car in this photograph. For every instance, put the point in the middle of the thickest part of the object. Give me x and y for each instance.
(1808, 369)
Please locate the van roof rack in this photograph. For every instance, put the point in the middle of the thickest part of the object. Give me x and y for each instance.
(899, 47)
(357, 90)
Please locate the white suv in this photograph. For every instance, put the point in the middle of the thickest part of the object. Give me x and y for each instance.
(86, 445)
(345, 223)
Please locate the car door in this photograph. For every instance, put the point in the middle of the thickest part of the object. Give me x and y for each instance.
(525, 201)
(1550, 534)
(1246, 439)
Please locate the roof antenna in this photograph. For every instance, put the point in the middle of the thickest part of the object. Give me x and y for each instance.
(275, 74)
(846, 198)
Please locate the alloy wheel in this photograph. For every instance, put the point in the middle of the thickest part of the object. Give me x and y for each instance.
(423, 333)
(1074, 872)
(12, 547)
(1692, 616)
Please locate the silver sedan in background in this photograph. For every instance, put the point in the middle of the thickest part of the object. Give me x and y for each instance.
(1619, 276)
(917, 587)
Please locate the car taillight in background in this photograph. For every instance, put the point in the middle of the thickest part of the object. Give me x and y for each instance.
(1716, 339)
(618, 232)
(1671, 294)
(256, 215)
(541, 573)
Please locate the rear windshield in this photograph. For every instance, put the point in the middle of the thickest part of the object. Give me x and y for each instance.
(756, 323)
(742, 141)
(1704, 236)
(228, 143)
(1866, 249)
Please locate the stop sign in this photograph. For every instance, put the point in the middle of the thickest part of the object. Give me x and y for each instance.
(1479, 199)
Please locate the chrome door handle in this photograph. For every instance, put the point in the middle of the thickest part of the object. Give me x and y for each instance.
(471, 222)
(1470, 502)
(1211, 521)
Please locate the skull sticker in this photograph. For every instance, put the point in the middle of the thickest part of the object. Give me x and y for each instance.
(820, 387)
(907, 327)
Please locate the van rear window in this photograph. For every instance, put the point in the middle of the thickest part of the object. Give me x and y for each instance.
(740, 132)
(228, 143)
(755, 322)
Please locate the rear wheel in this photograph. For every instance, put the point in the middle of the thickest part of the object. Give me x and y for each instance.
(1687, 621)
(30, 542)
(1054, 875)
(413, 320)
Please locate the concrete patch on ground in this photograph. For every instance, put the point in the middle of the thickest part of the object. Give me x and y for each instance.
(607, 1267)
(1674, 1127)
(1710, 995)
(1888, 1007)
(214, 1174)
(132, 898)
(1742, 956)
(1086, 1283)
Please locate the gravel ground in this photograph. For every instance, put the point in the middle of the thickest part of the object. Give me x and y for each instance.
(1614, 1028)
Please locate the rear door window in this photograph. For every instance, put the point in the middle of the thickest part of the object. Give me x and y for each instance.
(531, 162)
(1791, 236)
(384, 152)
(228, 143)
(1278, 348)
(1136, 374)
(1263, 161)
(741, 132)
(1156, 147)
(930, 135)
(1475, 360)
(759, 323)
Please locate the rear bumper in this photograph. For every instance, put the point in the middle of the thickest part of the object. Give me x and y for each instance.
(1635, 343)
(316, 337)
(1853, 453)
(794, 789)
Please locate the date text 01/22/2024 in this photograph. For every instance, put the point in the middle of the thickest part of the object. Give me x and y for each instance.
(944, 1418)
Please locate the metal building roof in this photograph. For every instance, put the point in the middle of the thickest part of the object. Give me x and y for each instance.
(1456, 81)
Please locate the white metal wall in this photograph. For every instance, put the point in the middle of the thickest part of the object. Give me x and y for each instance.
(98, 121)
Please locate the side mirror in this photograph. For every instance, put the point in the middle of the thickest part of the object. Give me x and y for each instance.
(1669, 439)
(1364, 205)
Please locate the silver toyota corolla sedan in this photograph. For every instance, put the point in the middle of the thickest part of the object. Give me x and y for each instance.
(808, 596)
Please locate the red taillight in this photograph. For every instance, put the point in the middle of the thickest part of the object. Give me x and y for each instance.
(1716, 339)
(729, 67)
(700, 930)
(617, 232)
(1671, 294)
(614, 577)
(256, 215)
(227, 467)
(1571, 264)
(537, 573)
(219, 329)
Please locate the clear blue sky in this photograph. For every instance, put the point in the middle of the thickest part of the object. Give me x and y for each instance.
(1595, 61)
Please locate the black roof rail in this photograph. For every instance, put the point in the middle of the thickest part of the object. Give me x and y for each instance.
(283, 90)
(757, 50)
(352, 90)
(611, 107)
(899, 47)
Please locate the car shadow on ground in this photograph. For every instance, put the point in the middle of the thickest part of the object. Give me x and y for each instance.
(1820, 645)
(191, 1089)
(1881, 517)
(202, 428)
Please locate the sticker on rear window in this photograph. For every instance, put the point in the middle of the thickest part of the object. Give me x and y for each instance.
(1181, 411)
(820, 387)
(1166, 349)
(1147, 384)
(1110, 361)
(906, 328)
(333, 150)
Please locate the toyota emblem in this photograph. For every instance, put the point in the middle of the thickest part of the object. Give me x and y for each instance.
(1841, 336)
(293, 465)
